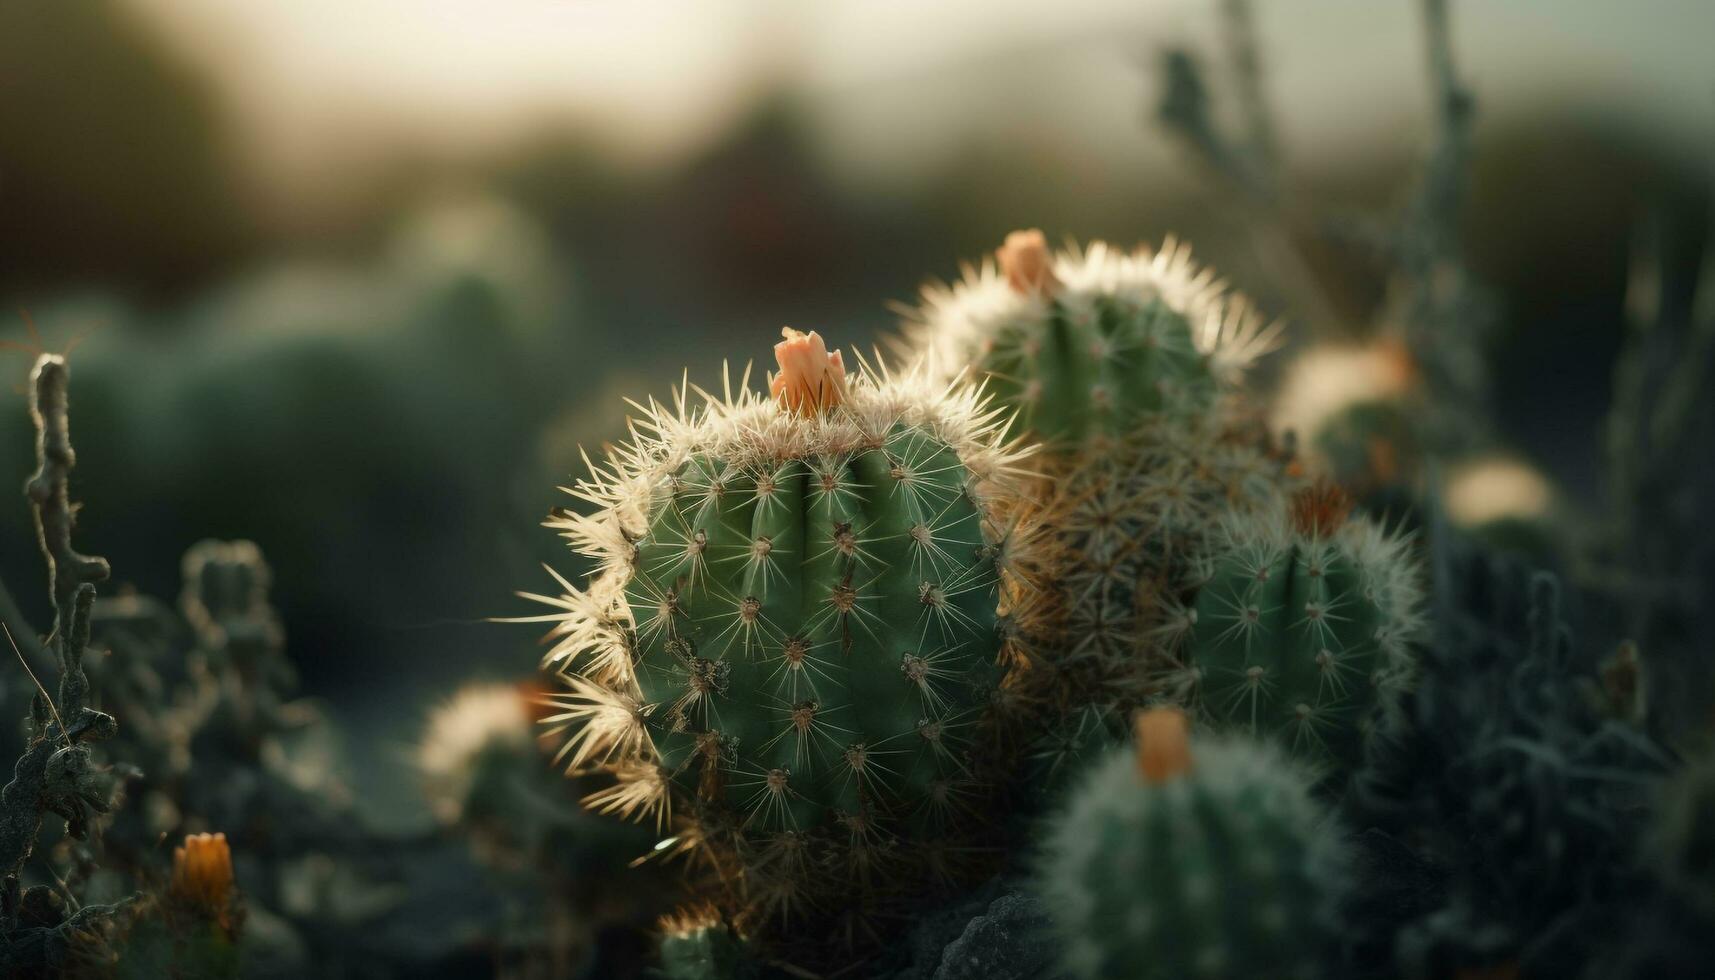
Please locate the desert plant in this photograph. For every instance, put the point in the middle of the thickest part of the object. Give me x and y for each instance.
(804, 607)
(1304, 624)
(1192, 856)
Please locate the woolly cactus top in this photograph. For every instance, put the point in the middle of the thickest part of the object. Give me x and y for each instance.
(1087, 340)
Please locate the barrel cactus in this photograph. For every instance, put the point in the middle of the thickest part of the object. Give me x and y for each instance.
(1303, 625)
(1083, 344)
(1125, 366)
(804, 607)
(1184, 857)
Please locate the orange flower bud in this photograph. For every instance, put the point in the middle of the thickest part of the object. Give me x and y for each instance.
(810, 379)
(1027, 263)
(1163, 743)
(202, 875)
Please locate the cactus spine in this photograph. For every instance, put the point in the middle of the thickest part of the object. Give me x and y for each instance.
(1191, 858)
(801, 613)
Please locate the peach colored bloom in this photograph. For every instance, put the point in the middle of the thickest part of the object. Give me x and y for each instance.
(810, 379)
(1027, 263)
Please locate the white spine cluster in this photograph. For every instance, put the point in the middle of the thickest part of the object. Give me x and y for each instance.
(955, 320)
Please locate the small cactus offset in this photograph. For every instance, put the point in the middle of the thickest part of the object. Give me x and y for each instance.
(1192, 857)
(1084, 344)
(803, 610)
(1306, 620)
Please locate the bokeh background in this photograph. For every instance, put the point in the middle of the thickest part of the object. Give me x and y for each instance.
(356, 280)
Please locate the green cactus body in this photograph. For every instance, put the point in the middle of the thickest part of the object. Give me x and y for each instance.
(1300, 628)
(1369, 443)
(814, 634)
(708, 952)
(1094, 364)
(1084, 345)
(801, 619)
(1224, 870)
(191, 950)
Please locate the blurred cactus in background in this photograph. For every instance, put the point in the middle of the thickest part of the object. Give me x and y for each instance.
(1351, 410)
(1192, 857)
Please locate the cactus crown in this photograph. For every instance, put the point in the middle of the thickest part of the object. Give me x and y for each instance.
(1084, 343)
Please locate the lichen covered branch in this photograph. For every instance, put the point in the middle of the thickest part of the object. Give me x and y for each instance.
(55, 774)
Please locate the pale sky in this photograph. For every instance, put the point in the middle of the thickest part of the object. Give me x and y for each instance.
(325, 89)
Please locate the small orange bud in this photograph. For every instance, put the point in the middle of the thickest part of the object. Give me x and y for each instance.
(810, 378)
(202, 876)
(1163, 743)
(1319, 509)
(1027, 263)
(1396, 363)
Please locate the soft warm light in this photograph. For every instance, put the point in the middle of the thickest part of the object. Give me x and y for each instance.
(1324, 381)
(1496, 488)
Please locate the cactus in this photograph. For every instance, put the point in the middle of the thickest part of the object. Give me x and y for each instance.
(1350, 409)
(1305, 621)
(1505, 502)
(1085, 344)
(474, 748)
(1191, 858)
(803, 607)
(1125, 367)
(192, 930)
(697, 945)
(1132, 525)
